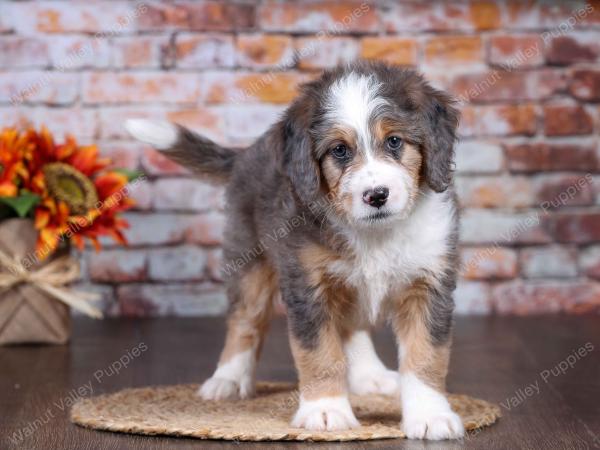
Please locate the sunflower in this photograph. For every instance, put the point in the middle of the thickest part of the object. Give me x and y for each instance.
(78, 196)
(67, 184)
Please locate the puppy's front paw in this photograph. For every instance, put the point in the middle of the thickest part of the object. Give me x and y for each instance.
(216, 388)
(329, 413)
(434, 425)
(380, 381)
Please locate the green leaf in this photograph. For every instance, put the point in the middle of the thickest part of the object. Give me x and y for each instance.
(130, 174)
(21, 204)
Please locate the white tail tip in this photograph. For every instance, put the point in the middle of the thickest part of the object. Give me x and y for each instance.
(158, 133)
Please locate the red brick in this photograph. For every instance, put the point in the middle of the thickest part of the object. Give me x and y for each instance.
(472, 297)
(580, 227)
(6, 19)
(325, 16)
(199, 16)
(70, 52)
(51, 88)
(534, 297)
(178, 299)
(563, 17)
(214, 264)
(565, 120)
(573, 48)
(484, 226)
(78, 122)
(117, 265)
(589, 260)
(124, 155)
(502, 85)
(489, 263)
(585, 85)
(269, 87)
(139, 51)
(494, 192)
(484, 15)
(523, 14)
(165, 16)
(537, 157)
(325, 52)
(206, 121)
(182, 263)
(186, 195)
(141, 193)
(75, 17)
(549, 262)
(257, 50)
(554, 191)
(199, 51)
(478, 157)
(206, 229)
(245, 123)
(551, 82)
(140, 87)
(516, 51)
(398, 51)
(440, 16)
(453, 50)
(494, 86)
(23, 52)
(498, 120)
(156, 229)
(112, 119)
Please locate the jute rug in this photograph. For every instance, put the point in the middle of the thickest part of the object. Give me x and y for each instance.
(177, 411)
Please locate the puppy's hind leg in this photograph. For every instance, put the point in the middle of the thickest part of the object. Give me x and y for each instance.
(251, 297)
(366, 373)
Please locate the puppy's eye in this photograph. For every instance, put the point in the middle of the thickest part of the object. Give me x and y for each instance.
(394, 142)
(340, 151)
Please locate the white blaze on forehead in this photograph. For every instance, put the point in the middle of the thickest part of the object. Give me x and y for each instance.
(352, 101)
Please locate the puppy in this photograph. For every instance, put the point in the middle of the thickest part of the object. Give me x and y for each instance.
(345, 209)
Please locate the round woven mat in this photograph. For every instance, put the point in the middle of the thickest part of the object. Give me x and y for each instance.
(177, 411)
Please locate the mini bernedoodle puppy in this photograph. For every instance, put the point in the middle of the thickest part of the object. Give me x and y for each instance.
(345, 209)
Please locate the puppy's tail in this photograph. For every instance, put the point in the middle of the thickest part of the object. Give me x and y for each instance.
(192, 151)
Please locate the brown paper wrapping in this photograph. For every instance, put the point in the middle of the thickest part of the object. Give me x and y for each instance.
(27, 314)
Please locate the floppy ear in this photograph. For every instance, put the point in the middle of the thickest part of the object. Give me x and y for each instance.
(298, 161)
(441, 120)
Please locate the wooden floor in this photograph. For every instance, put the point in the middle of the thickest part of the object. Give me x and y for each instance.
(493, 358)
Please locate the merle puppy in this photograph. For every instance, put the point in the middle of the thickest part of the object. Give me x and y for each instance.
(356, 182)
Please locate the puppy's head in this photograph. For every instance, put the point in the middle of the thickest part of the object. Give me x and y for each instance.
(363, 140)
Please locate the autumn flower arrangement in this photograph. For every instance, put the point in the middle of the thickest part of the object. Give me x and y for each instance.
(51, 194)
(67, 189)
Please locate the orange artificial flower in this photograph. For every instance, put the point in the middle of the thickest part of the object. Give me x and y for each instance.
(11, 164)
(79, 197)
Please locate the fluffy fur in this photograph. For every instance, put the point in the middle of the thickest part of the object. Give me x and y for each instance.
(345, 210)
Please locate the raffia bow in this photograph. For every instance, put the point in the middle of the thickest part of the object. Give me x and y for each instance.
(50, 279)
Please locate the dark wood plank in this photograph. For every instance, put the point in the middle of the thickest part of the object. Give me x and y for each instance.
(493, 358)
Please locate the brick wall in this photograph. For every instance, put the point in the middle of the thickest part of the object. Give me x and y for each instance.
(527, 76)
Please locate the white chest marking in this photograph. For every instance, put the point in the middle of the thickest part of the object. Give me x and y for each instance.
(387, 259)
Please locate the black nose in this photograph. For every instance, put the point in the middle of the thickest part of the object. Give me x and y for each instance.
(376, 197)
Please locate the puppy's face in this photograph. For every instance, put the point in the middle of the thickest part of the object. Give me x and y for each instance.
(369, 164)
(367, 138)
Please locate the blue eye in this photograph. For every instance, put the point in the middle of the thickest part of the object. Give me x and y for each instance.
(394, 142)
(340, 151)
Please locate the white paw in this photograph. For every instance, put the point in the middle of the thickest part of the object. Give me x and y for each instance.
(426, 413)
(329, 413)
(433, 425)
(380, 381)
(158, 133)
(216, 388)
